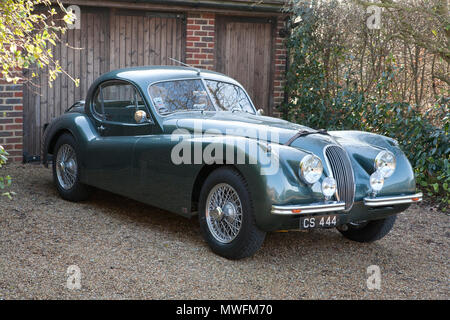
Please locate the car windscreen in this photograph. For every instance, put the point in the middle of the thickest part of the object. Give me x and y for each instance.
(229, 97)
(180, 95)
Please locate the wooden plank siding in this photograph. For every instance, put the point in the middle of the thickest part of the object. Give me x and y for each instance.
(146, 39)
(244, 52)
(109, 39)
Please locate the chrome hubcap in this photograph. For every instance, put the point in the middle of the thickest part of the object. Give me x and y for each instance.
(66, 166)
(224, 213)
(216, 214)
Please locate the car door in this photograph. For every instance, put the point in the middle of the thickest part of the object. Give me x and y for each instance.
(117, 109)
(164, 182)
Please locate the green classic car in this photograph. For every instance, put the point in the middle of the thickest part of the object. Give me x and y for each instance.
(191, 142)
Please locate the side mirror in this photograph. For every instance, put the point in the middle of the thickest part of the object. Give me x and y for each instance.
(260, 112)
(140, 116)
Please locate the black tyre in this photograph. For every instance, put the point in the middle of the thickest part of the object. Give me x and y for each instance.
(66, 169)
(369, 231)
(226, 215)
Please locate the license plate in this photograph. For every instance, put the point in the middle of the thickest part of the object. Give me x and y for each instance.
(311, 222)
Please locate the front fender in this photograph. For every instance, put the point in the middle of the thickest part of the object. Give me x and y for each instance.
(280, 185)
(362, 148)
(270, 170)
(286, 188)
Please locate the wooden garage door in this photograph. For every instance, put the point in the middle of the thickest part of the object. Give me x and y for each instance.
(244, 52)
(145, 39)
(109, 40)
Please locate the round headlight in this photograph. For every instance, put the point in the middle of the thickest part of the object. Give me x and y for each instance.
(328, 187)
(385, 163)
(376, 181)
(311, 169)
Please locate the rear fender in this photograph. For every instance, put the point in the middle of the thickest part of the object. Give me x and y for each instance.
(78, 125)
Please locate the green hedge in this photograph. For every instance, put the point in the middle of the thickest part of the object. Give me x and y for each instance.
(5, 182)
(427, 146)
(317, 102)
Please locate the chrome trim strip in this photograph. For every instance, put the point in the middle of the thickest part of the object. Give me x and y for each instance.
(330, 172)
(388, 201)
(309, 208)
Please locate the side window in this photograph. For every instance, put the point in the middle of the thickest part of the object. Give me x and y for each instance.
(118, 102)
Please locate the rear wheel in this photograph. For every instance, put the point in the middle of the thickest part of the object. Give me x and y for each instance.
(66, 170)
(369, 231)
(226, 215)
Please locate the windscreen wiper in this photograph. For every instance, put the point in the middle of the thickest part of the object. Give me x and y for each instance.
(240, 110)
(304, 133)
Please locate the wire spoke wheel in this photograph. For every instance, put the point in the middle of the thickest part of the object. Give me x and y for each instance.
(66, 166)
(224, 213)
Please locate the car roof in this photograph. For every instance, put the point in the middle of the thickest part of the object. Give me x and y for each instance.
(144, 76)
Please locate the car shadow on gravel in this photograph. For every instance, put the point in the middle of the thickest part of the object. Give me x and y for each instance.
(292, 244)
(131, 211)
(282, 245)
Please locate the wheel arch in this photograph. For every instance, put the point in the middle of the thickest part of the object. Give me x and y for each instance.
(201, 177)
(263, 190)
(50, 143)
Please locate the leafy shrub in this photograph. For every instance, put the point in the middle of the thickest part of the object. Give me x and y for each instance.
(426, 145)
(422, 134)
(5, 182)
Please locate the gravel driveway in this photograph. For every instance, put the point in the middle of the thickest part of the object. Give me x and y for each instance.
(125, 249)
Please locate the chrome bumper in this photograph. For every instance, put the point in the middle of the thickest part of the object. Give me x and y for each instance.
(340, 205)
(309, 208)
(389, 201)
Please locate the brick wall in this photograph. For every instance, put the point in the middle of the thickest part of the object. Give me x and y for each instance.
(11, 118)
(280, 69)
(200, 40)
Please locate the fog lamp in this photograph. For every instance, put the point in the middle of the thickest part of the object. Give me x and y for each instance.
(328, 187)
(376, 181)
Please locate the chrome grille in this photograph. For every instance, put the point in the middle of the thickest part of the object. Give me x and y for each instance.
(341, 168)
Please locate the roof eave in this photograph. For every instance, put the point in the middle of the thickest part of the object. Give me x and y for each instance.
(255, 6)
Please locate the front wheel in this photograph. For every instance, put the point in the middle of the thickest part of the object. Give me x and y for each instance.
(66, 170)
(369, 231)
(226, 215)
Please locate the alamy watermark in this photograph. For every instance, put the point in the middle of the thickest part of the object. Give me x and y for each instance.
(374, 277)
(76, 11)
(74, 277)
(232, 146)
(373, 22)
